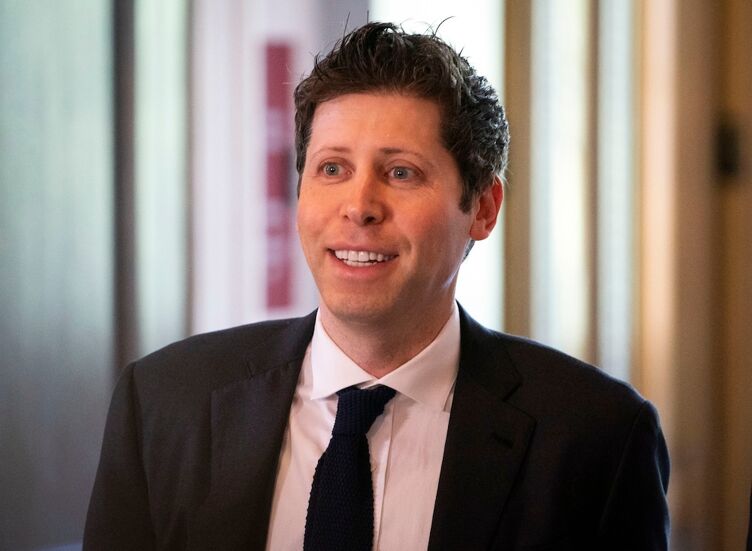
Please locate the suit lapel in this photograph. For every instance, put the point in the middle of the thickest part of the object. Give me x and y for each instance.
(248, 422)
(486, 443)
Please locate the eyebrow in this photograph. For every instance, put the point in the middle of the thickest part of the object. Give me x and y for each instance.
(383, 150)
(398, 150)
(387, 150)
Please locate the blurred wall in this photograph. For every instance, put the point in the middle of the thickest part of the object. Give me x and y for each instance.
(735, 267)
(695, 326)
(56, 264)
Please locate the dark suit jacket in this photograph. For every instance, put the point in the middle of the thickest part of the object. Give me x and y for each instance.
(542, 451)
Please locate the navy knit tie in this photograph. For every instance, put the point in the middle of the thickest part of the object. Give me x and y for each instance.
(340, 509)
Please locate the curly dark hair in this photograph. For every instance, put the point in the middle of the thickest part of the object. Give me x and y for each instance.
(381, 57)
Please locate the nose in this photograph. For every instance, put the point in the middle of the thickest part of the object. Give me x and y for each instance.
(365, 204)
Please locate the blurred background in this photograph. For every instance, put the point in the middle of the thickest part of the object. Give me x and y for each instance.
(147, 192)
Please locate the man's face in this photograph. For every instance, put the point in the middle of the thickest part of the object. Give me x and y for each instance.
(378, 213)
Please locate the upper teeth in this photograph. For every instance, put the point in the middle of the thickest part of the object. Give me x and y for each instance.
(361, 256)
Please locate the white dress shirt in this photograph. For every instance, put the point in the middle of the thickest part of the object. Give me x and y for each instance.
(406, 442)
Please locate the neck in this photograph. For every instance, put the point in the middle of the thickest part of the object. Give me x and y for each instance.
(381, 346)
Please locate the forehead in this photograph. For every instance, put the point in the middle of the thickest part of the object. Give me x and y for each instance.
(395, 120)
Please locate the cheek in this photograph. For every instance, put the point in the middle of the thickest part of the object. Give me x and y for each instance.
(306, 214)
(306, 229)
(437, 231)
(300, 222)
(452, 234)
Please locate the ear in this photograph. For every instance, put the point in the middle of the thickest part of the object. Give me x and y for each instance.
(487, 209)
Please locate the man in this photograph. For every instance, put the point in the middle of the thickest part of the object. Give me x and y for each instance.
(235, 440)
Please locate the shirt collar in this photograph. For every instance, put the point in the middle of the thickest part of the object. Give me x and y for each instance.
(427, 378)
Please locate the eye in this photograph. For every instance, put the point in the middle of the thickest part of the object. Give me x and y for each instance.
(402, 173)
(331, 169)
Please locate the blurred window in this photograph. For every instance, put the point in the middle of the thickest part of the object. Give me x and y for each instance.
(560, 176)
(617, 185)
(583, 179)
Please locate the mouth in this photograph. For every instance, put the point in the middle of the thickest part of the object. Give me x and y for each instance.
(362, 259)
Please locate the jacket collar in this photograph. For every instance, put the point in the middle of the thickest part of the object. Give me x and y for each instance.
(248, 422)
(486, 443)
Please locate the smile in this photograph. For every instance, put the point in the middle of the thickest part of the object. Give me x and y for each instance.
(362, 258)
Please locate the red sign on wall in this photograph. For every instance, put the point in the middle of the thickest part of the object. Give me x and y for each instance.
(279, 144)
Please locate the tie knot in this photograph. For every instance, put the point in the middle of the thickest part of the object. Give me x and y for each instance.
(357, 409)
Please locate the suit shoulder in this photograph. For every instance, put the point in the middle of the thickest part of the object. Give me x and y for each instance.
(543, 365)
(540, 373)
(567, 392)
(220, 356)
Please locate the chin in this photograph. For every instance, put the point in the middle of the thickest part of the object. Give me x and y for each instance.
(360, 310)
